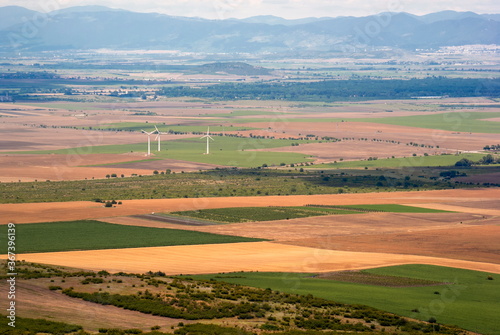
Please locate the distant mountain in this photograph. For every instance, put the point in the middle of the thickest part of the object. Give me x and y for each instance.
(93, 27)
(12, 15)
(447, 15)
(86, 9)
(275, 20)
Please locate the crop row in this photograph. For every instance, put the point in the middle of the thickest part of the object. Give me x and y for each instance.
(250, 214)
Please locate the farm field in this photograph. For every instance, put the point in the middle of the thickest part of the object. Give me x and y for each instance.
(471, 122)
(226, 151)
(449, 303)
(233, 257)
(465, 200)
(294, 191)
(94, 235)
(249, 214)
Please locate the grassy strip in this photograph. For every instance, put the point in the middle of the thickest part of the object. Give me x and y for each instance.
(417, 161)
(470, 303)
(215, 183)
(251, 214)
(94, 235)
(25, 326)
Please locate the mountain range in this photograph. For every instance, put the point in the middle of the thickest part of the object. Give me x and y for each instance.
(95, 27)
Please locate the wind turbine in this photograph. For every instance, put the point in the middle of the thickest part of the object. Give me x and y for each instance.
(208, 138)
(158, 137)
(149, 140)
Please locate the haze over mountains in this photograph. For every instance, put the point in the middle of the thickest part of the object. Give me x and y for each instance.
(94, 27)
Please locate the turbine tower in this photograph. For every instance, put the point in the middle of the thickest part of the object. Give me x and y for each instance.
(149, 140)
(208, 140)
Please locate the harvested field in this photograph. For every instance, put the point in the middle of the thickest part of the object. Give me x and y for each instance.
(41, 138)
(472, 243)
(466, 207)
(464, 236)
(358, 150)
(327, 226)
(31, 167)
(458, 141)
(62, 167)
(66, 211)
(259, 256)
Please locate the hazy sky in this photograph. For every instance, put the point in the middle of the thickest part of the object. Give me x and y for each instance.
(223, 9)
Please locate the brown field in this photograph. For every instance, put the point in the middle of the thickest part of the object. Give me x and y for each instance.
(63, 211)
(477, 244)
(357, 150)
(62, 167)
(73, 167)
(256, 256)
(446, 140)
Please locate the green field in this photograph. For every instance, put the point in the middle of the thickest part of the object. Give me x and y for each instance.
(94, 235)
(417, 161)
(468, 122)
(251, 214)
(472, 302)
(227, 151)
(458, 121)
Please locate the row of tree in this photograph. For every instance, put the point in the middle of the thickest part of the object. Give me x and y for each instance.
(332, 90)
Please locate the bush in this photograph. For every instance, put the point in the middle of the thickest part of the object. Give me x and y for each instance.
(464, 162)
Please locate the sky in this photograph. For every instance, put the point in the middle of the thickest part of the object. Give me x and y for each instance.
(290, 9)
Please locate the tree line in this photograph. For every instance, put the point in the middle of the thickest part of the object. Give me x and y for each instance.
(331, 90)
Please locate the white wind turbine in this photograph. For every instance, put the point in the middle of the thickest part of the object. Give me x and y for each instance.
(158, 137)
(149, 140)
(208, 140)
